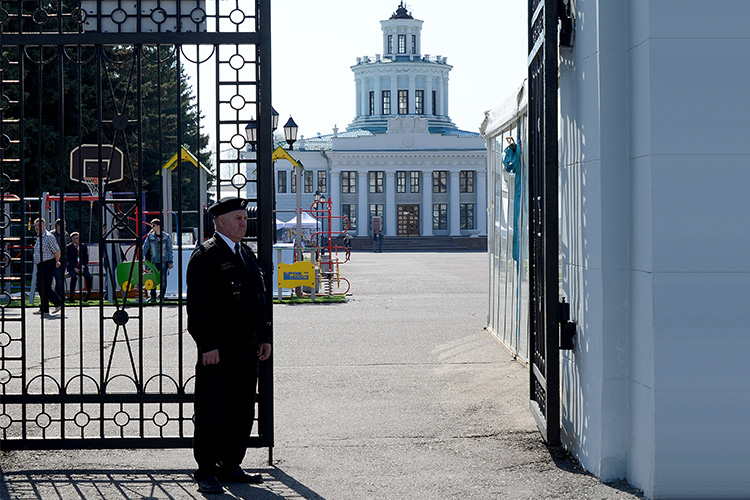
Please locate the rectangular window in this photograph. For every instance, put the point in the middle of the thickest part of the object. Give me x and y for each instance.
(376, 182)
(414, 44)
(440, 181)
(434, 102)
(386, 102)
(350, 212)
(295, 173)
(440, 216)
(403, 102)
(309, 181)
(402, 44)
(466, 181)
(322, 181)
(281, 181)
(348, 182)
(419, 102)
(414, 181)
(390, 44)
(400, 182)
(372, 102)
(467, 215)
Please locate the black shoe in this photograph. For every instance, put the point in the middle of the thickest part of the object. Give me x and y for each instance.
(237, 475)
(210, 484)
(86, 297)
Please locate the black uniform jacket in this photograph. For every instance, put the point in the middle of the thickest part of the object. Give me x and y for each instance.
(73, 255)
(226, 302)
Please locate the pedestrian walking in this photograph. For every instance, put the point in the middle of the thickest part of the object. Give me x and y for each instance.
(47, 260)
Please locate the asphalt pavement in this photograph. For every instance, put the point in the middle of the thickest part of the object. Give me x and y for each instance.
(400, 393)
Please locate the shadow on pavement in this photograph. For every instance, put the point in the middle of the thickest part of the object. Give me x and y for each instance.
(116, 484)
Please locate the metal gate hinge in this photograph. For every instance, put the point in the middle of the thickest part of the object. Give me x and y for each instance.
(567, 327)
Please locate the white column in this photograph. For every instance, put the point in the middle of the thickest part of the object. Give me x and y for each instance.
(454, 213)
(426, 203)
(480, 215)
(390, 204)
(334, 193)
(445, 97)
(428, 95)
(378, 97)
(394, 94)
(412, 95)
(363, 210)
(358, 96)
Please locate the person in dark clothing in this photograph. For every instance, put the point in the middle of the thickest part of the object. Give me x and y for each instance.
(77, 256)
(227, 318)
(63, 240)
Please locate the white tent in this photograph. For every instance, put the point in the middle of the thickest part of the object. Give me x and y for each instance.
(308, 222)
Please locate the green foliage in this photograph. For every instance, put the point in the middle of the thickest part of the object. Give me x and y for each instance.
(136, 98)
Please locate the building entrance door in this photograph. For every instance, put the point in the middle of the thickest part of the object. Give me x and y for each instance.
(408, 220)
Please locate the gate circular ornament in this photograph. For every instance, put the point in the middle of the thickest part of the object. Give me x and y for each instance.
(158, 15)
(119, 16)
(43, 420)
(238, 181)
(5, 421)
(5, 299)
(5, 339)
(4, 102)
(4, 376)
(120, 317)
(237, 61)
(237, 16)
(198, 15)
(122, 418)
(3, 16)
(39, 16)
(4, 144)
(82, 419)
(4, 62)
(119, 122)
(161, 419)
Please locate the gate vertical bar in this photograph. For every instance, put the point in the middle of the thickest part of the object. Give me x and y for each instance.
(266, 208)
(544, 377)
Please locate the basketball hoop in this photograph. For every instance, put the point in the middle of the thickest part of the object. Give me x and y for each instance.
(92, 184)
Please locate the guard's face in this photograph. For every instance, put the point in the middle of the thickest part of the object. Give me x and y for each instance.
(233, 225)
(75, 239)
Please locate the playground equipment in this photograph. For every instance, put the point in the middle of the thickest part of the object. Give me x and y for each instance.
(326, 253)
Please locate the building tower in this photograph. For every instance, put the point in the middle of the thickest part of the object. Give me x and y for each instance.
(401, 81)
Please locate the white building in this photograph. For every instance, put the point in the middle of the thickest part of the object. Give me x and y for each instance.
(654, 241)
(401, 159)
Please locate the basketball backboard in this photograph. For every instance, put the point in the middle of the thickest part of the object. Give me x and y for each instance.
(85, 165)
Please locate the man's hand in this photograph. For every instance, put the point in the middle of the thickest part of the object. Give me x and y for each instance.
(264, 352)
(211, 357)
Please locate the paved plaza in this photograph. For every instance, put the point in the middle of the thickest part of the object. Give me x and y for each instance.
(398, 394)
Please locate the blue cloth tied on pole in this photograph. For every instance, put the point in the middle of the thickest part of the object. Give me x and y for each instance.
(512, 164)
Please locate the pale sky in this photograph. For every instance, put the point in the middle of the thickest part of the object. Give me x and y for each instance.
(315, 43)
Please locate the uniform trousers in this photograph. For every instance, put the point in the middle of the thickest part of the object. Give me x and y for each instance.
(45, 271)
(224, 409)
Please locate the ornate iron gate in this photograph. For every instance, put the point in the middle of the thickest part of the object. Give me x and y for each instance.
(164, 82)
(543, 223)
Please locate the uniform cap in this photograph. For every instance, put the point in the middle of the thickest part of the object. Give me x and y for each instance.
(226, 205)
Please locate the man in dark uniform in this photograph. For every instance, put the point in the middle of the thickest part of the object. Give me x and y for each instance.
(227, 318)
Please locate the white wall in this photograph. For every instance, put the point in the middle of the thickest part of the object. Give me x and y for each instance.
(655, 118)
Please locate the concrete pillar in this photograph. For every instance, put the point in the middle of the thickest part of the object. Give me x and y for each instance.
(454, 213)
(426, 203)
(390, 204)
(480, 215)
(334, 193)
(363, 210)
